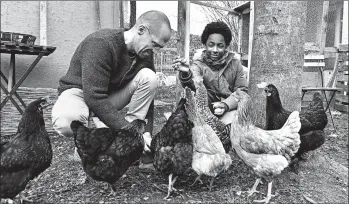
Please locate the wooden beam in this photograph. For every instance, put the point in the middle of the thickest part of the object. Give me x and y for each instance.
(324, 26)
(121, 11)
(43, 23)
(133, 11)
(314, 57)
(187, 30)
(337, 32)
(116, 14)
(98, 13)
(231, 11)
(240, 33)
(181, 40)
(250, 39)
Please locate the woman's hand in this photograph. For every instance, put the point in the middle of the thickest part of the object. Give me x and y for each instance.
(181, 64)
(220, 108)
(147, 141)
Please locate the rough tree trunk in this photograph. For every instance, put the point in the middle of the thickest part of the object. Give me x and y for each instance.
(277, 53)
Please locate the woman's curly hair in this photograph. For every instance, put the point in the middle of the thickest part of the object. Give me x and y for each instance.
(218, 27)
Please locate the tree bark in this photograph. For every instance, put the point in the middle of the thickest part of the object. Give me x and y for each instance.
(277, 54)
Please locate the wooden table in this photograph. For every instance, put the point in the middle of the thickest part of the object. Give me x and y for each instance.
(22, 49)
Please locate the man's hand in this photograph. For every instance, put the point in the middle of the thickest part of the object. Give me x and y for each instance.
(147, 141)
(181, 64)
(220, 108)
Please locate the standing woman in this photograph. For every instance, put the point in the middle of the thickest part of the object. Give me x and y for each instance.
(220, 69)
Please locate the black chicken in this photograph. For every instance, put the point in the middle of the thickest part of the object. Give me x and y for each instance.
(313, 119)
(28, 154)
(106, 154)
(172, 146)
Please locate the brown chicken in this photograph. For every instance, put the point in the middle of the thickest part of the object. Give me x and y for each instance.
(172, 146)
(209, 156)
(266, 152)
(26, 155)
(106, 154)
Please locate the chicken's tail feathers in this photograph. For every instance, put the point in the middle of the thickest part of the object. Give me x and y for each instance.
(317, 100)
(293, 122)
(78, 139)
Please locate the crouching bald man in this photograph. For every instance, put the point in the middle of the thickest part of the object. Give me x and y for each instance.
(112, 68)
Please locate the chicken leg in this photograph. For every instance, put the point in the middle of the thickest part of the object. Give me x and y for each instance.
(269, 195)
(24, 199)
(197, 179)
(254, 188)
(170, 185)
(211, 183)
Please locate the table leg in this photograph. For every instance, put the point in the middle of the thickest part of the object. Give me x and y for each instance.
(327, 103)
(15, 93)
(20, 81)
(328, 107)
(12, 73)
(3, 87)
(303, 92)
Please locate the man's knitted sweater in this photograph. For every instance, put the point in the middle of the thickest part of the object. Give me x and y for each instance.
(101, 64)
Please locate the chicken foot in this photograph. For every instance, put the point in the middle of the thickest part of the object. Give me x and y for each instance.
(254, 188)
(22, 199)
(170, 185)
(197, 179)
(6, 201)
(269, 195)
(113, 190)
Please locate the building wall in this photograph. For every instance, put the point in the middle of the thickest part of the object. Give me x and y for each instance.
(314, 13)
(68, 23)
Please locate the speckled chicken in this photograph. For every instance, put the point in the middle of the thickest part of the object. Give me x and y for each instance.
(222, 130)
(209, 156)
(172, 146)
(266, 152)
(106, 154)
(26, 155)
(313, 119)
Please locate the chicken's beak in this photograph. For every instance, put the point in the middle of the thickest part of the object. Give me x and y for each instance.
(266, 91)
(46, 103)
(263, 86)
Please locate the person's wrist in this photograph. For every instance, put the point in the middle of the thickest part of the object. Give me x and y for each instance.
(226, 107)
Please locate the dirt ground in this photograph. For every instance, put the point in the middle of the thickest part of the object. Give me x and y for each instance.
(323, 178)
